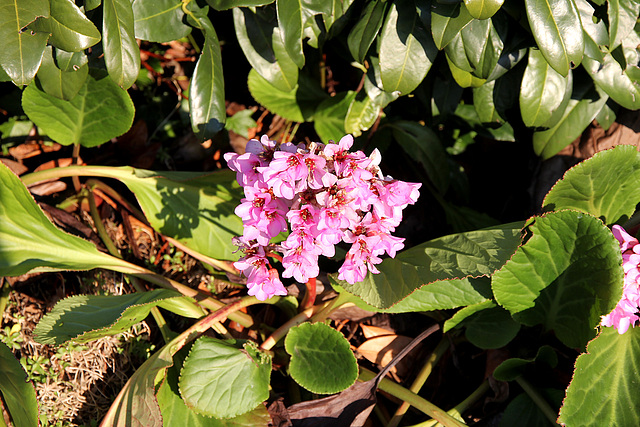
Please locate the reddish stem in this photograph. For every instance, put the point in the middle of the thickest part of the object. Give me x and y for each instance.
(310, 296)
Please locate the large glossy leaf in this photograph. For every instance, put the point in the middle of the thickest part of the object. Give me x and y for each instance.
(330, 116)
(321, 358)
(595, 31)
(297, 105)
(84, 318)
(30, 242)
(366, 30)
(423, 145)
(447, 20)
(604, 386)
(56, 82)
(615, 82)
(225, 379)
(407, 50)
(485, 105)
(292, 16)
(69, 28)
(121, 52)
(556, 26)
(604, 186)
(483, 9)
(159, 20)
(176, 412)
(261, 42)
(457, 256)
(206, 93)
(100, 111)
(444, 295)
(478, 47)
(585, 104)
(229, 4)
(565, 277)
(623, 15)
(18, 394)
(21, 51)
(541, 102)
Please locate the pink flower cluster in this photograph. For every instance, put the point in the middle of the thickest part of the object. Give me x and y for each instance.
(626, 312)
(326, 195)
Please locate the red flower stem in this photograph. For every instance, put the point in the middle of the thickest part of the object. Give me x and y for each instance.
(310, 296)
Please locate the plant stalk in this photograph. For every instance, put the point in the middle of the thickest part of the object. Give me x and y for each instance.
(461, 407)
(539, 400)
(413, 399)
(5, 290)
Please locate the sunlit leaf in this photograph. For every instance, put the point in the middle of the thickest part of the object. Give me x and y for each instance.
(30, 242)
(321, 358)
(595, 31)
(603, 186)
(565, 277)
(229, 4)
(604, 384)
(225, 379)
(556, 26)
(407, 50)
(18, 394)
(99, 111)
(365, 31)
(121, 52)
(84, 318)
(21, 51)
(330, 116)
(61, 84)
(623, 15)
(457, 256)
(483, 9)
(69, 28)
(615, 82)
(540, 100)
(447, 20)
(159, 20)
(292, 16)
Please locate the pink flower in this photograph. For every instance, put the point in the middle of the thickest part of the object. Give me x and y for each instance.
(266, 286)
(625, 314)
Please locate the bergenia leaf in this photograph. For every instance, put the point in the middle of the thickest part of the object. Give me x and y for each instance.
(457, 256)
(18, 394)
(565, 277)
(84, 318)
(603, 186)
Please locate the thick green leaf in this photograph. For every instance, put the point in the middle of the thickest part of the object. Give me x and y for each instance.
(466, 312)
(292, 16)
(623, 15)
(366, 30)
(121, 52)
(17, 393)
(447, 20)
(491, 328)
(100, 111)
(361, 115)
(556, 26)
(30, 242)
(540, 102)
(423, 145)
(604, 387)
(229, 4)
(478, 47)
(330, 116)
(604, 186)
(159, 20)
(321, 358)
(21, 51)
(84, 318)
(585, 104)
(462, 77)
(444, 295)
(407, 50)
(298, 105)
(615, 82)
(260, 40)
(61, 84)
(225, 379)
(69, 28)
(69, 61)
(483, 9)
(523, 411)
(241, 122)
(457, 256)
(565, 277)
(483, 102)
(176, 412)
(595, 31)
(206, 93)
